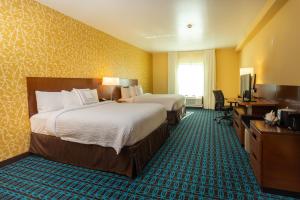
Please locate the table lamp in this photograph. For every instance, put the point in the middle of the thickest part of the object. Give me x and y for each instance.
(111, 81)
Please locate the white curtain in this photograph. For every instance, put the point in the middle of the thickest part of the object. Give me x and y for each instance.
(209, 62)
(207, 58)
(172, 73)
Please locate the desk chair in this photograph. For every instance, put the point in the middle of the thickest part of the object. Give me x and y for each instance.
(220, 106)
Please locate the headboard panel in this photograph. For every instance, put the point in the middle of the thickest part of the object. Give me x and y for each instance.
(55, 85)
(285, 95)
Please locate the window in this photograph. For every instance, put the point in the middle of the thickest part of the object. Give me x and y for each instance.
(190, 79)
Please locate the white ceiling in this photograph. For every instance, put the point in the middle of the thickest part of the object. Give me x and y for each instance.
(161, 25)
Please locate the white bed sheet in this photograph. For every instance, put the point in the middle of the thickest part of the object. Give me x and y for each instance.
(171, 102)
(108, 124)
(38, 122)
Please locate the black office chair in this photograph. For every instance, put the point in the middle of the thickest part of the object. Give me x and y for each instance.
(220, 106)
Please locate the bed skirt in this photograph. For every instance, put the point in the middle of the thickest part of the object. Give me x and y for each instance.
(175, 116)
(130, 161)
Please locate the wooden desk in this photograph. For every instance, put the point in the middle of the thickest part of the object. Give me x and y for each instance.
(274, 156)
(255, 110)
(233, 102)
(257, 102)
(259, 107)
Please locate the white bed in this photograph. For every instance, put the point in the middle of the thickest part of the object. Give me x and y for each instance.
(171, 102)
(107, 124)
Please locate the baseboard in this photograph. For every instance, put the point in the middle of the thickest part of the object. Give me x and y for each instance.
(281, 192)
(14, 159)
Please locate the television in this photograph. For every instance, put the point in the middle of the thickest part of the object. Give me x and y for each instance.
(246, 87)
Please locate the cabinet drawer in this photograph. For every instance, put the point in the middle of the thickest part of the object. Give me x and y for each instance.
(239, 128)
(256, 166)
(255, 146)
(236, 124)
(256, 135)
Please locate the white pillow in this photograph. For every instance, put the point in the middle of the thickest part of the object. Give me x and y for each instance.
(132, 91)
(139, 90)
(48, 101)
(125, 93)
(70, 99)
(87, 96)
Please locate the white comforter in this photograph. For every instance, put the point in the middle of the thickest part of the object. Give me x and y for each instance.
(169, 101)
(108, 124)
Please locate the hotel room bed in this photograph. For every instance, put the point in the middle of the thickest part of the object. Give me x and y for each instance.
(113, 137)
(174, 104)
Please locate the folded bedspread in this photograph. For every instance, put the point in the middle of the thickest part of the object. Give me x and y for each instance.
(169, 101)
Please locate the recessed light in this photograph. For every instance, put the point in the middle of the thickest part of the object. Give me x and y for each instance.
(189, 26)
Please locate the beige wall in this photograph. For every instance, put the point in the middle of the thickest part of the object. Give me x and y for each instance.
(160, 73)
(38, 41)
(227, 64)
(274, 51)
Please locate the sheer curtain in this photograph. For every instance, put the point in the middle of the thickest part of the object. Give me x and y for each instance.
(193, 74)
(172, 73)
(209, 62)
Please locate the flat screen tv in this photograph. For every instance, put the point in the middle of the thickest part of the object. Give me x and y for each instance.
(245, 89)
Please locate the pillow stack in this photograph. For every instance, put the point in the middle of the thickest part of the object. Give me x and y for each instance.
(53, 101)
(131, 91)
(87, 96)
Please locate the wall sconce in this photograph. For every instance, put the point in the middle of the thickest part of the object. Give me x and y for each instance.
(111, 81)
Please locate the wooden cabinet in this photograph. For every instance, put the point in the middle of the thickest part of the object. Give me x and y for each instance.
(249, 110)
(237, 123)
(275, 156)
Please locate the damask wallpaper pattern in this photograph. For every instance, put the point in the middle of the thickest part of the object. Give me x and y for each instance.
(38, 41)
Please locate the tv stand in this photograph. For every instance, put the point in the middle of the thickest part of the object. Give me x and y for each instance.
(274, 156)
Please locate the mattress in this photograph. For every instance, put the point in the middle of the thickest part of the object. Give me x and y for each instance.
(108, 124)
(170, 102)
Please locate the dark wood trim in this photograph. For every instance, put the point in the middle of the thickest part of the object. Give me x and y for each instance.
(14, 159)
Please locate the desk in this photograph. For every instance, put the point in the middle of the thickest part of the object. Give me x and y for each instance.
(232, 101)
(250, 110)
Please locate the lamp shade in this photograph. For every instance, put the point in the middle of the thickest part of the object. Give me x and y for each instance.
(110, 81)
(246, 70)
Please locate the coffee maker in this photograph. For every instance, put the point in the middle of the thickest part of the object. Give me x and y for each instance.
(289, 118)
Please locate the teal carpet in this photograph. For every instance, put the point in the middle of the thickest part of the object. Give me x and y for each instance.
(200, 160)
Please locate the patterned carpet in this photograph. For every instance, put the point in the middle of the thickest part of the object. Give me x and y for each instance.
(201, 160)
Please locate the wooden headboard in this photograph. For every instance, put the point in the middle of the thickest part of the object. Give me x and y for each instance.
(55, 85)
(285, 95)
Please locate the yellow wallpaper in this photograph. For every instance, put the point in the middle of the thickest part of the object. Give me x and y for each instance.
(227, 64)
(274, 51)
(160, 73)
(38, 41)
